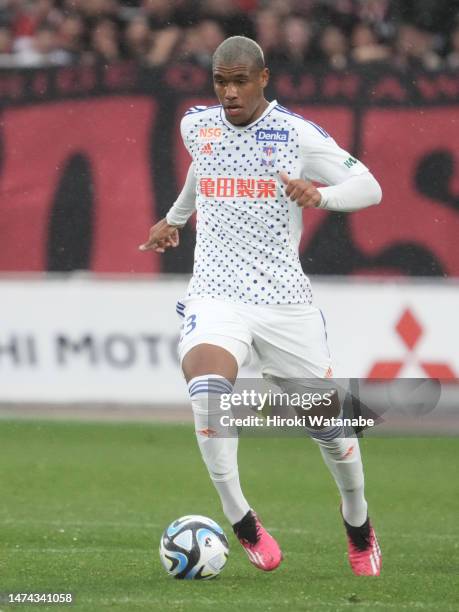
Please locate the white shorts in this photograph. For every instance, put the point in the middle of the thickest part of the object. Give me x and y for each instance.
(290, 340)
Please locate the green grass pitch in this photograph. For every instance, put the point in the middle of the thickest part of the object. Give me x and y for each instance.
(83, 505)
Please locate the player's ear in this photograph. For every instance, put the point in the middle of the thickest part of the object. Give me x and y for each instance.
(264, 76)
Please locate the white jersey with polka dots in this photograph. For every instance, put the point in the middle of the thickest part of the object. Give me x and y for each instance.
(248, 230)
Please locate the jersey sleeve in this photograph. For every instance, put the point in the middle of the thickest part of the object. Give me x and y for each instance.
(186, 125)
(323, 160)
(185, 205)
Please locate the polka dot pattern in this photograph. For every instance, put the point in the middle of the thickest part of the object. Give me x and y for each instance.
(246, 247)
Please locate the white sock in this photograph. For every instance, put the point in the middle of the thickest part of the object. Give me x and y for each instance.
(218, 444)
(234, 504)
(342, 456)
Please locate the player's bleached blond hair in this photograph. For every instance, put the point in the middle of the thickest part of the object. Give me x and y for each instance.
(239, 49)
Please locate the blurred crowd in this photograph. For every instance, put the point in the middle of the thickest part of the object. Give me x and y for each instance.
(335, 33)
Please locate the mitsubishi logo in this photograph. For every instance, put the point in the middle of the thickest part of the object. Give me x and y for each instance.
(410, 331)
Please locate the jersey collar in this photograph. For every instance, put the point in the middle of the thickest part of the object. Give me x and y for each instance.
(266, 112)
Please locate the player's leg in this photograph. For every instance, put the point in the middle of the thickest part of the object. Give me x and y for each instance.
(341, 454)
(210, 371)
(343, 459)
(295, 347)
(210, 362)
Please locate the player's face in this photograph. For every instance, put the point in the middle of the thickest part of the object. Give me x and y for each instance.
(240, 90)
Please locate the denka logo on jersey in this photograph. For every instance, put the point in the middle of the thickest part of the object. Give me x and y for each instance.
(272, 135)
(222, 187)
(210, 133)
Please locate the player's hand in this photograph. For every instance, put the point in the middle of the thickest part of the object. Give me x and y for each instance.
(161, 237)
(302, 192)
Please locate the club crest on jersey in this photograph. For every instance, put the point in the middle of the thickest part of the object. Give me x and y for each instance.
(268, 155)
(272, 135)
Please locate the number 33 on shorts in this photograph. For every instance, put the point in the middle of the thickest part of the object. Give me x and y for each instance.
(189, 322)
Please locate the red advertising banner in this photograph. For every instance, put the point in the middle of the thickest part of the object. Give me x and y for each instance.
(413, 153)
(105, 143)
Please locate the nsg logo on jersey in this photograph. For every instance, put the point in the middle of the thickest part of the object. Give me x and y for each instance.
(272, 135)
(210, 133)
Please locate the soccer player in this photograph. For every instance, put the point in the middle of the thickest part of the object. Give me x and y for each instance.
(250, 178)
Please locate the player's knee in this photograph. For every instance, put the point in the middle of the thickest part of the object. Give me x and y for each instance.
(326, 405)
(207, 361)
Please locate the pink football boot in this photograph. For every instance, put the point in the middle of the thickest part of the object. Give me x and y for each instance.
(363, 550)
(261, 548)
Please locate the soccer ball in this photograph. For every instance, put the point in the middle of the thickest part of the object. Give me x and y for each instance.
(193, 547)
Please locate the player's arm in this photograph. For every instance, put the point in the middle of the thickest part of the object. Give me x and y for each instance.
(353, 194)
(164, 234)
(351, 186)
(185, 205)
